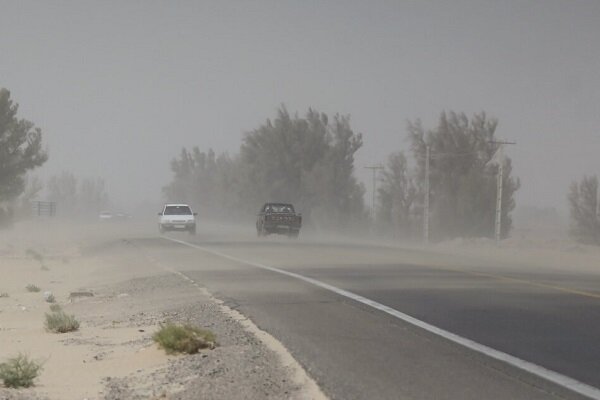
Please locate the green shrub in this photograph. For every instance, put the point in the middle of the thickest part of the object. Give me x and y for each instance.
(19, 372)
(32, 288)
(61, 322)
(183, 338)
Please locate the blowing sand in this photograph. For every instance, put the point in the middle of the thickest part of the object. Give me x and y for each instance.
(74, 363)
(122, 300)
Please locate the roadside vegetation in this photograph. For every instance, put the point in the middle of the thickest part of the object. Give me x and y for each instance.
(49, 297)
(32, 288)
(19, 372)
(21, 152)
(309, 161)
(585, 210)
(60, 322)
(174, 338)
(81, 196)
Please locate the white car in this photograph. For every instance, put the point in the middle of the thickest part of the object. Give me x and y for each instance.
(105, 216)
(177, 217)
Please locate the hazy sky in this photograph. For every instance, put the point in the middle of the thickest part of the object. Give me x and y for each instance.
(120, 87)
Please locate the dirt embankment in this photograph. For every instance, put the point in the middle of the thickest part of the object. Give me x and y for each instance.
(122, 299)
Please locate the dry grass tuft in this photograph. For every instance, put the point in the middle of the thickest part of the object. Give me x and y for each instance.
(32, 288)
(184, 338)
(61, 322)
(19, 372)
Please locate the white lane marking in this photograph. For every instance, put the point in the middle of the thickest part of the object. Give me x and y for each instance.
(549, 375)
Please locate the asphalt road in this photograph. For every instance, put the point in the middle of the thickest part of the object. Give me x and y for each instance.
(546, 317)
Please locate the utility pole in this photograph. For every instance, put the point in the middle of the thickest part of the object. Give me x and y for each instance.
(426, 210)
(499, 187)
(374, 168)
(598, 203)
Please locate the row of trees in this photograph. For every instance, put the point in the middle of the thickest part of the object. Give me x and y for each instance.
(21, 152)
(310, 161)
(75, 196)
(462, 181)
(585, 210)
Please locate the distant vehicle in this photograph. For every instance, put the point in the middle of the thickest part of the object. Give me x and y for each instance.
(105, 216)
(111, 216)
(177, 217)
(278, 218)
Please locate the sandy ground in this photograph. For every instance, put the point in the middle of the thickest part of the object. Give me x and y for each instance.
(112, 356)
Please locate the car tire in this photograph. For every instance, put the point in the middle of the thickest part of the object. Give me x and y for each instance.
(192, 231)
(161, 230)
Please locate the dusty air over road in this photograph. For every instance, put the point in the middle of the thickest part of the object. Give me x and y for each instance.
(357, 200)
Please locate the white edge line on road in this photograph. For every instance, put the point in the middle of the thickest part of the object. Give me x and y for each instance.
(555, 377)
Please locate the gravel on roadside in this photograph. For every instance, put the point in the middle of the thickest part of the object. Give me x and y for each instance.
(240, 367)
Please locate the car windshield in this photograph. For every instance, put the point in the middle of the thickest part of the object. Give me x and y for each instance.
(279, 208)
(177, 210)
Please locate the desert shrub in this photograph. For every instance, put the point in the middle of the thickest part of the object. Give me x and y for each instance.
(32, 288)
(19, 371)
(61, 322)
(183, 338)
(3, 295)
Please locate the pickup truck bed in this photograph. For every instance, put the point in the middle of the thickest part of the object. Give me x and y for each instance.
(279, 218)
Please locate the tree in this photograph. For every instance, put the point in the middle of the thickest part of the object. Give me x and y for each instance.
(77, 197)
(204, 180)
(583, 202)
(278, 155)
(20, 149)
(307, 161)
(62, 189)
(463, 185)
(398, 210)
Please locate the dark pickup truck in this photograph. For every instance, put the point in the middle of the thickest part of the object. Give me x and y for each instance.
(278, 218)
